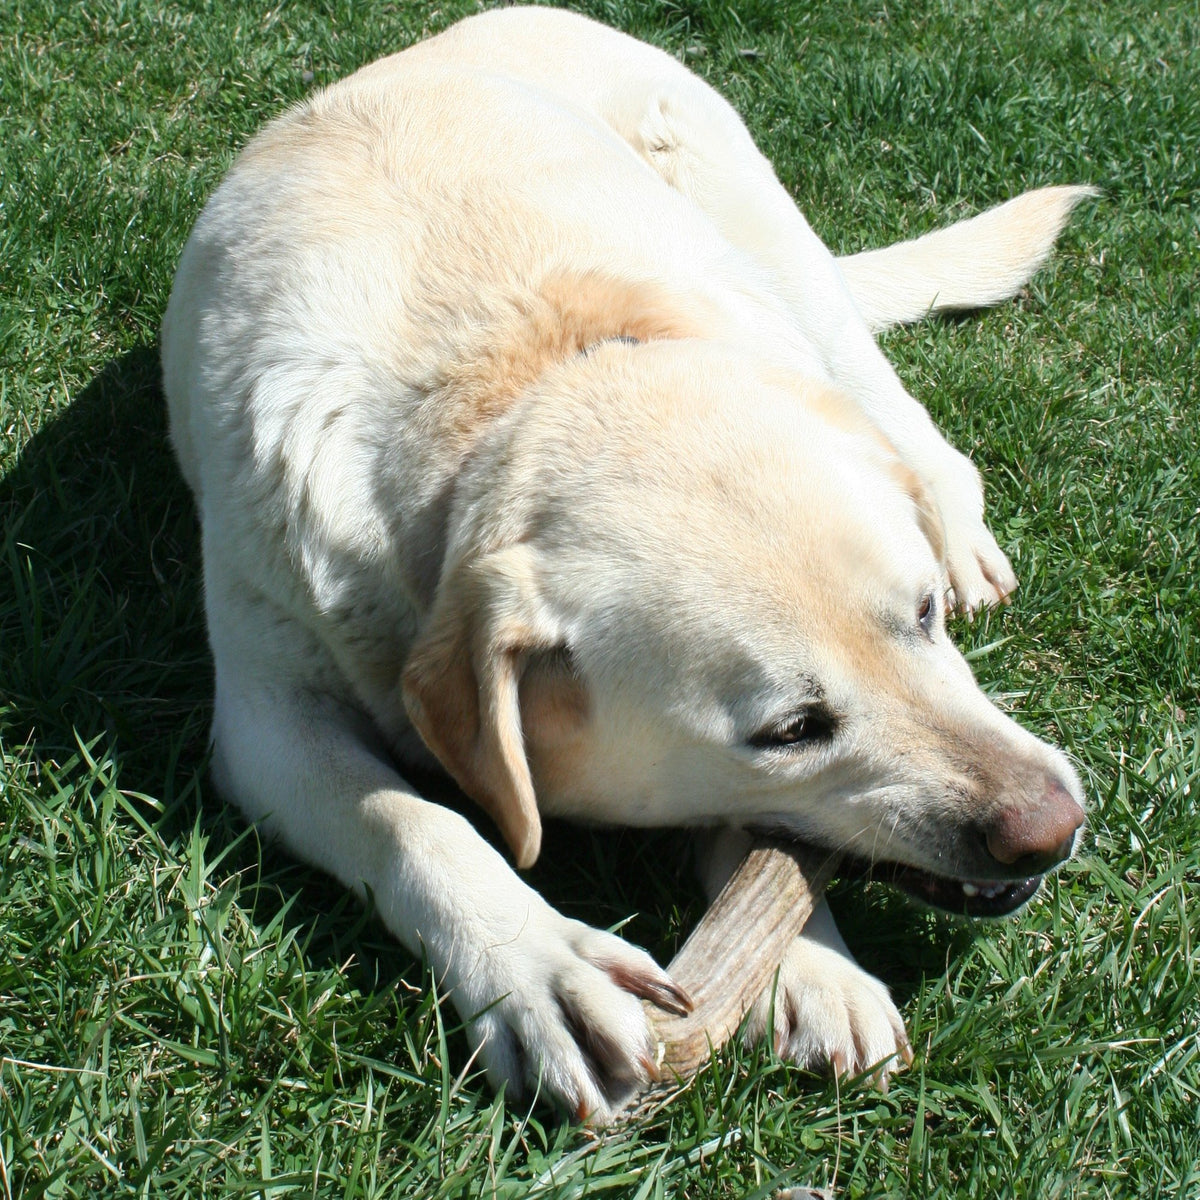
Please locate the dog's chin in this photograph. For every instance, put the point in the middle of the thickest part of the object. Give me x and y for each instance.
(966, 897)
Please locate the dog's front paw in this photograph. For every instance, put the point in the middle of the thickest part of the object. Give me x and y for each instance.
(558, 1010)
(825, 1012)
(980, 573)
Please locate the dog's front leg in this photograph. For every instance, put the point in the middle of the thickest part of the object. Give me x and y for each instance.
(549, 1003)
(822, 1010)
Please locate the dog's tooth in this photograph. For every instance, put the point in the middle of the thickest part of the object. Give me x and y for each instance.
(969, 889)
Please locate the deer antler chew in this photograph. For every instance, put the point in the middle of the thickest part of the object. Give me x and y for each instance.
(734, 952)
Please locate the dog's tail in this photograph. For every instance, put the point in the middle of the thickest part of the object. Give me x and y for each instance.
(974, 263)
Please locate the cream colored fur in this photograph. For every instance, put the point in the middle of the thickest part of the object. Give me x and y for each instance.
(976, 262)
(535, 436)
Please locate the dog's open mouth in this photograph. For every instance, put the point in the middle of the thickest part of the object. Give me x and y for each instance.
(966, 897)
(970, 897)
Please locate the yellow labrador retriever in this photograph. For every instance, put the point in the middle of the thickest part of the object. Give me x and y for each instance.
(536, 435)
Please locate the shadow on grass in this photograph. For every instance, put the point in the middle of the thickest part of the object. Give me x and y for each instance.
(102, 641)
(100, 596)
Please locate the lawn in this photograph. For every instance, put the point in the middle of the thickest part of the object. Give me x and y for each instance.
(185, 1012)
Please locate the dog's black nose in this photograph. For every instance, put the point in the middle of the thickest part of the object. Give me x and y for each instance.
(1032, 839)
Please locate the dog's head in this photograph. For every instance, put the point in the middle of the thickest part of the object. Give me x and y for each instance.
(680, 590)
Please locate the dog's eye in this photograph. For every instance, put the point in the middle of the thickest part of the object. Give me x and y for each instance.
(812, 725)
(927, 614)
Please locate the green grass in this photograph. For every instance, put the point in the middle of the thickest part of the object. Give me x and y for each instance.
(185, 1013)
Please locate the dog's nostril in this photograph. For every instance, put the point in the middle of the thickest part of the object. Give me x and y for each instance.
(1035, 838)
(1039, 862)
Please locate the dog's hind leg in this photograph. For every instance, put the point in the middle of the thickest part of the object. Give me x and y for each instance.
(699, 145)
(694, 139)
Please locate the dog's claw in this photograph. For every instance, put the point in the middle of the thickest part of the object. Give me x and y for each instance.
(1001, 578)
(661, 991)
(651, 1068)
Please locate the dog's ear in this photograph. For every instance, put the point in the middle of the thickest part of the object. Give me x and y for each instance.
(461, 687)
